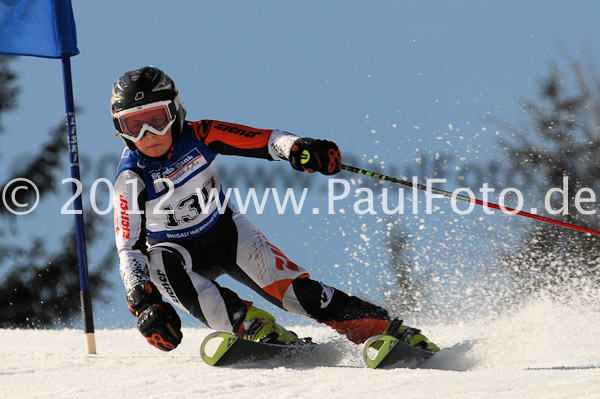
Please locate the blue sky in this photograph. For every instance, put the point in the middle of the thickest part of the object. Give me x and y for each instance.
(394, 83)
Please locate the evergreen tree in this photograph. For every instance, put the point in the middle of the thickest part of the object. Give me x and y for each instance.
(40, 288)
(8, 90)
(561, 149)
(408, 295)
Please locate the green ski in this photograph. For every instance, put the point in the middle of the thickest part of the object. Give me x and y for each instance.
(225, 349)
(385, 352)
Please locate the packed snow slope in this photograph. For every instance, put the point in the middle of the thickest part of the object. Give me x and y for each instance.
(541, 350)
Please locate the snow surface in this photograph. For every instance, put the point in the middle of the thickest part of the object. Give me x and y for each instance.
(542, 350)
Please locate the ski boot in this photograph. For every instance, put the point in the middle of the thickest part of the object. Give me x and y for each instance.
(409, 335)
(260, 326)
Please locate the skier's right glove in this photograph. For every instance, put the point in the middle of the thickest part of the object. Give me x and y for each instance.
(157, 320)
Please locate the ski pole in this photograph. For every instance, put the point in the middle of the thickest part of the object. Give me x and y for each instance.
(448, 194)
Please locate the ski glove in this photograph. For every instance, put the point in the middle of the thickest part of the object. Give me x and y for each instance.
(312, 155)
(157, 320)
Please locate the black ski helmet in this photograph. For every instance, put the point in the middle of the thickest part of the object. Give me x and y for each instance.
(143, 86)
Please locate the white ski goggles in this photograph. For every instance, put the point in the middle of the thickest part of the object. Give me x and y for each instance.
(156, 117)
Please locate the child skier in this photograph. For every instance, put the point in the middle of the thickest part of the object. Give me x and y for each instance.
(174, 241)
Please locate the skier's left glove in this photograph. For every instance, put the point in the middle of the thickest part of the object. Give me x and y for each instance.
(157, 320)
(311, 155)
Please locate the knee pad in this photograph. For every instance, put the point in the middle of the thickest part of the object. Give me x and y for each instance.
(290, 301)
(171, 271)
(176, 253)
(308, 297)
(168, 259)
(325, 303)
